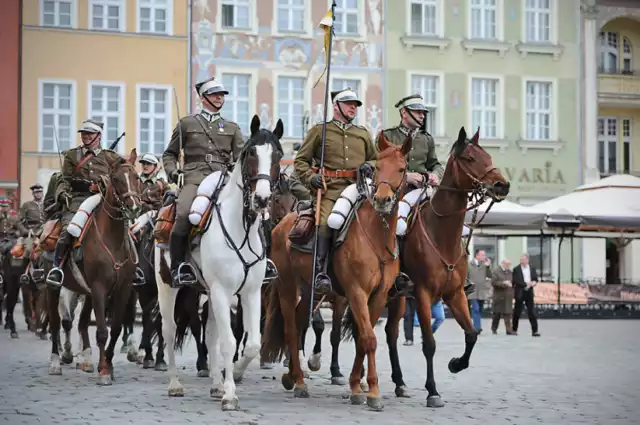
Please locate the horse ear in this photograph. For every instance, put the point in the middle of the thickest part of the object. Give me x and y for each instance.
(462, 135)
(279, 130)
(255, 125)
(133, 156)
(382, 143)
(407, 145)
(476, 137)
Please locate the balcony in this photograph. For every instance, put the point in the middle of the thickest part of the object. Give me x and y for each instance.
(619, 89)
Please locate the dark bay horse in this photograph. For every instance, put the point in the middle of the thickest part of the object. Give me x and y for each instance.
(107, 267)
(365, 267)
(13, 265)
(434, 258)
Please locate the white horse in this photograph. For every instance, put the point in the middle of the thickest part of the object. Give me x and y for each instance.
(232, 259)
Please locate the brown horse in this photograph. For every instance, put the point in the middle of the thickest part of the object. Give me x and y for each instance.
(433, 257)
(107, 268)
(365, 267)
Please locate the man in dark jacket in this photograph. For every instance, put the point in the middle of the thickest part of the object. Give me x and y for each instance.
(524, 279)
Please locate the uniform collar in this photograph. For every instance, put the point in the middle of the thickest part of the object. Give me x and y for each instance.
(148, 178)
(95, 151)
(404, 130)
(210, 116)
(341, 125)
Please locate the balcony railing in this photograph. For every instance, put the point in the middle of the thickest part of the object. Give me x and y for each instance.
(634, 173)
(625, 84)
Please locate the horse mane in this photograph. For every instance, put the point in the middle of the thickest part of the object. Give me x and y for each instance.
(263, 136)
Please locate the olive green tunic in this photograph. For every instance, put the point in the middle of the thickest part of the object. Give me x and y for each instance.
(422, 158)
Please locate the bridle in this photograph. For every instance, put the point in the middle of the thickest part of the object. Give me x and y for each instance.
(120, 204)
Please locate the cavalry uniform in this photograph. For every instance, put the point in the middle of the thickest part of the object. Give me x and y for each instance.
(209, 143)
(82, 168)
(32, 214)
(348, 147)
(50, 204)
(8, 226)
(300, 191)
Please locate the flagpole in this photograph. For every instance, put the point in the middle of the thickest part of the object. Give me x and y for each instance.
(321, 165)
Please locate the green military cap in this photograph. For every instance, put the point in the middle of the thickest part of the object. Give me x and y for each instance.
(91, 126)
(345, 95)
(36, 186)
(210, 86)
(415, 102)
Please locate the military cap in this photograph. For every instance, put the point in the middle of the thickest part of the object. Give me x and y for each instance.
(149, 158)
(345, 95)
(415, 102)
(91, 126)
(36, 186)
(210, 86)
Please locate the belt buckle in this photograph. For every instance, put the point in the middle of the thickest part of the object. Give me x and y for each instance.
(208, 158)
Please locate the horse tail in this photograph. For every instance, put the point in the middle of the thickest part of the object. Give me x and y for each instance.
(273, 336)
(182, 314)
(349, 330)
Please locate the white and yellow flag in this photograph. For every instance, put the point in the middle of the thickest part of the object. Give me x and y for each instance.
(327, 25)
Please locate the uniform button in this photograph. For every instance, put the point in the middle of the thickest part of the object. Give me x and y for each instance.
(346, 147)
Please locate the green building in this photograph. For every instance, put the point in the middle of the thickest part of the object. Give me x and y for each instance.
(509, 67)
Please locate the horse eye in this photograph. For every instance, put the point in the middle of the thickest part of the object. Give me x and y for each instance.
(402, 170)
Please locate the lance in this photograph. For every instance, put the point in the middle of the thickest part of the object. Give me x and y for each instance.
(328, 47)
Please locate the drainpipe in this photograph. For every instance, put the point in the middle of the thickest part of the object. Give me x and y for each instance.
(581, 88)
(189, 61)
(383, 76)
(20, 5)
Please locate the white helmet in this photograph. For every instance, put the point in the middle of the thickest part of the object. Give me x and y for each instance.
(149, 158)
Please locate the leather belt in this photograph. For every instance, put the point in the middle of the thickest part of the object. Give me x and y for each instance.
(345, 174)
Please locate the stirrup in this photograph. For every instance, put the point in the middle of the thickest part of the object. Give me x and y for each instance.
(183, 276)
(52, 283)
(322, 288)
(24, 279)
(271, 272)
(138, 279)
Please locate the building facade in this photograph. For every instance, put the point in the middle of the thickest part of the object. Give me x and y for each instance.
(611, 111)
(269, 54)
(10, 51)
(509, 68)
(117, 61)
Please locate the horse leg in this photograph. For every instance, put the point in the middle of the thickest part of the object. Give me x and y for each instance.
(167, 300)
(145, 352)
(128, 339)
(122, 293)
(459, 307)
(395, 311)
(85, 359)
(212, 340)
(237, 324)
(53, 297)
(196, 326)
(251, 317)
(303, 360)
(339, 307)
(315, 360)
(424, 300)
(12, 286)
(27, 305)
(102, 333)
(161, 365)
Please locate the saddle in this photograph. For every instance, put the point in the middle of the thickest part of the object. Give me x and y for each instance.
(302, 230)
(51, 233)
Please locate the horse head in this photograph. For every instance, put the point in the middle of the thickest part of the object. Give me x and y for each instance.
(471, 168)
(390, 176)
(122, 186)
(260, 162)
(283, 199)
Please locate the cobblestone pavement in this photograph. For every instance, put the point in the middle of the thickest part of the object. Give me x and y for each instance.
(579, 372)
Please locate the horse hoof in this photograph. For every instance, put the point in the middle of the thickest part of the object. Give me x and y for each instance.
(55, 370)
(176, 392)
(132, 356)
(364, 386)
(67, 358)
(104, 380)
(314, 362)
(216, 393)
(148, 364)
(301, 392)
(266, 366)
(161, 367)
(287, 382)
(358, 399)
(375, 403)
(204, 373)
(338, 380)
(85, 367)
(455, 365)
(42, 336)
(14, 335)
(435, 401)
(230, 404)
(402, 391)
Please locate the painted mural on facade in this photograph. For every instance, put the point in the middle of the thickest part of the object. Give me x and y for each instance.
(268, 54)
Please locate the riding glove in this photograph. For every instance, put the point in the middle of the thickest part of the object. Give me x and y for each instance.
(316, 182)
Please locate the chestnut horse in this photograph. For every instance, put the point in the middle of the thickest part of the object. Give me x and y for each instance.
(435, 260)
(108, 265)
(364, 266)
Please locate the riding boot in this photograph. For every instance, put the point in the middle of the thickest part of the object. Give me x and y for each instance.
(272, 271)
(182, 273)
(469, 287)
(495, 322)
(322, 284)
(403, 285)
(56, 275)
(138, 279)
(507, 324)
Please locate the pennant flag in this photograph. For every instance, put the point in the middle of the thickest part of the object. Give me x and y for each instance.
(326, 24)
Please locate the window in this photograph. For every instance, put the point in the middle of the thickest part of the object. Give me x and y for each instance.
(291, 15)
(483, 19)
(154, 16)
(626, 145)
(236, 14)
(489, 244)
(424, 17)
(609, 44)
(607, 144)
(347, 17)
(153, 119)
(106, 15)
(291, 103)
(428, 86)
(538, 110)
(356, 86)
(540, 254)
(484, 107)
(627, 56)
(106, 105)
(537, 15)
(56, 116)
(57, 13)
(238, 102)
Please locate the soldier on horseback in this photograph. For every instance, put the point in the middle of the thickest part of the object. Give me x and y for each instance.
(32, 212)
(82, 169)
(209, 143)
(8, 226)
(348, 150)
